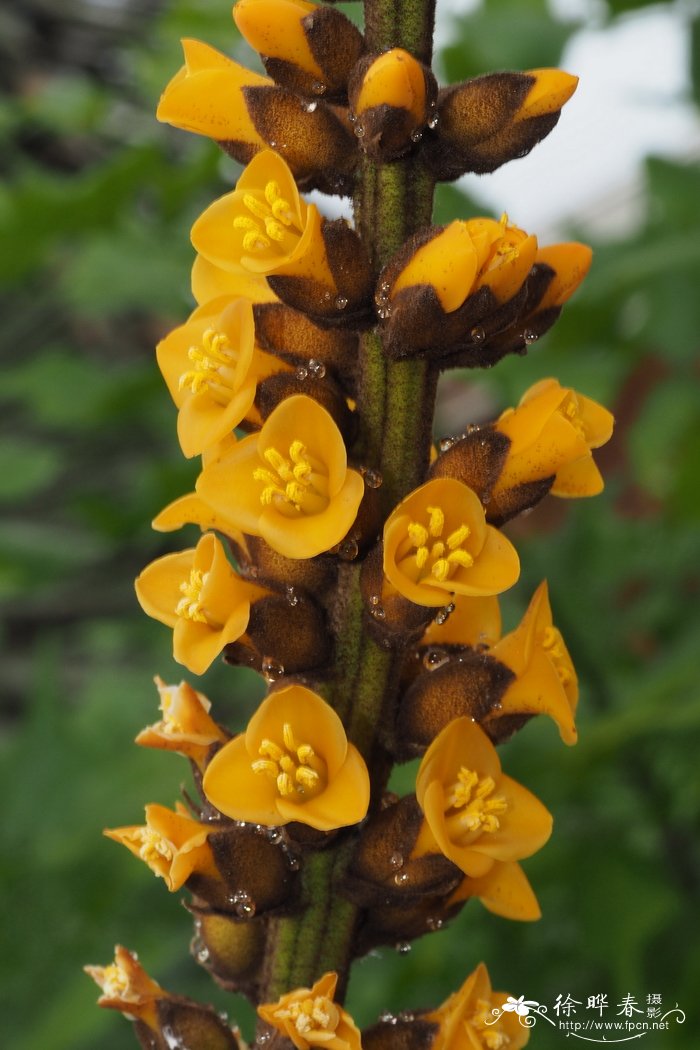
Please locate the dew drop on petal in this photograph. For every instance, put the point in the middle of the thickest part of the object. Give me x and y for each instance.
(396, 860)
(403, 948)
(478, 334)
(402, 878)
(341, 302)
(435, 658)
(302, 373)
(292, 596)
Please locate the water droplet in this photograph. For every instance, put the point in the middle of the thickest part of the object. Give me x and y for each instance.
(402, 878)
(318, 88)
(172, 1039)
(223, 1016)
(302, 373)
(327, 297)
(202, 954)
(378, 612)
(341, 302)
(396, 860)
(292, 596)
(443, 615)
(403, 948)
(433, 122)
(446, 443)
(383, 313)
(244, 906)
(359, 130)
(434, 923)
(293, 862)
(271, 669)
(263, 1038)
(310, 106)
(416, 135)
(387, 1018)
(373, 478)
(530, 337)
(274, 835)
(406, 1015)
(317, 368)
(435, 658)
(375, 599)
(478, 334)
(348, 550)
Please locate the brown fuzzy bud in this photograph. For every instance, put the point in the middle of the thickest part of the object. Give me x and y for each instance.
(476, 460)
(392, 98)
(306, 47)
(292, 336)
(275, 389)
(462, 682)
(347, 301)
(230, 949)
(182, 1022)
(382, 871)
(487, 121)
(288, 634)
(398, 1034)
(393, 620)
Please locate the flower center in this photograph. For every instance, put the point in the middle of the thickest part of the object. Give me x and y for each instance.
(483, 1018)
(570, 409)
(115, 983)
(154, 848)
(506, 246)
(214, 367)
(293, 484)
(553, 645)
(319, 1014)
(296, 768)
(170, 722)
(190, 605)
(475, 810)
(435, 557)
(269, 219)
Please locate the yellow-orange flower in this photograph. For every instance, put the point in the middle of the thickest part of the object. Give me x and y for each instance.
(504, 890)
(545, 681)
(570, 261)
(552, 88)
(209, 282)
(473, 621)
(467, 1018)
(474, 814)
(127, 987)
(275, 28)
(191, 510)
(264, 226)
(437, 543)
(212, 367)
(468, 255)
(552, 432)
(310, 1017)
(198, 594)
(289, 483)
(396, 79)
(171, 843)
(294, 762)
(206, 96)
(186, 726)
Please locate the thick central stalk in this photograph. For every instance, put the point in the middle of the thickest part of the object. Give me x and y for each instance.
(395, 405)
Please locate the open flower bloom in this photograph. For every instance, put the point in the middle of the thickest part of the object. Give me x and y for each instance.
(504, 890)
(264, 226)
(552, 432)
(545, 680)
(127, 987)
(474, 622)
(437, 543)
(467, 1018)
(206, 96)
(191, 510)
(186, 726)
(474, 814)
(172, 844)
(293, 762)
(290, 483)
(212, 367)
(309, 1017)
(467, 255)
(198, 594)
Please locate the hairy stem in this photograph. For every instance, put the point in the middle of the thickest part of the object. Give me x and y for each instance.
(396, 401)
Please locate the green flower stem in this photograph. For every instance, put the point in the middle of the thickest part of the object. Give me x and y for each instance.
(396, 401)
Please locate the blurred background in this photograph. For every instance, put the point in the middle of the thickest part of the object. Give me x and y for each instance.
(95, 210)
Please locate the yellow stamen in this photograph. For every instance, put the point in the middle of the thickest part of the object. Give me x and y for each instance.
(470, 795)
(439, 561)
(153, 846)
(417, 534)
(462, 558)
(457, 538)
(287, 484)
(256, 207)
(437, 521)
(274, 230)
(213, 363)
(190, 605)
(441, 570)
(437, 550)
(255, 242)
(293, 766)
(422, 555)
(320, 1014)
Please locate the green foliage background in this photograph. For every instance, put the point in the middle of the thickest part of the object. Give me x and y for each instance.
(94, 265)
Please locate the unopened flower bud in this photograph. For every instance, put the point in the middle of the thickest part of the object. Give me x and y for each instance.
(392, 97)
(487, 121)
(308, 48)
